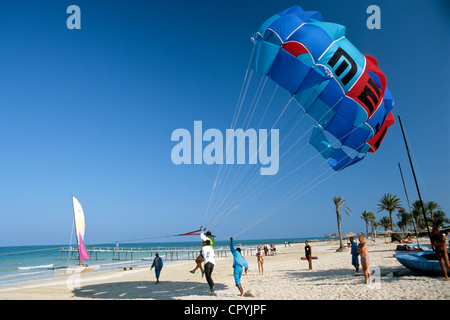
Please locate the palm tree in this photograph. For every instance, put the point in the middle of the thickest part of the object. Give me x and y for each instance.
(375, 224)
(339, 203)
(389, 203)
(404, 218)
(367, 217)
(385, 222)
(439, 218)
(431, 206)
(417, 214)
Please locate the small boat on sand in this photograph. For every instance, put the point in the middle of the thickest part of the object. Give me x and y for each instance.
(405, 247)
(424, 262)
(81, 267)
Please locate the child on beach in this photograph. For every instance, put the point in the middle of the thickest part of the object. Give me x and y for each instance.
(239, 262)
(363, 250)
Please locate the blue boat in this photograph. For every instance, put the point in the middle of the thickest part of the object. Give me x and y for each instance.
(423, 262)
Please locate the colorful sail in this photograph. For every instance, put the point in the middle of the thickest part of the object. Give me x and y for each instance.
(82, 252)
(78, 216)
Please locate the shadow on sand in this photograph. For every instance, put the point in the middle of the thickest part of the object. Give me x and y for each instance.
(165, 290)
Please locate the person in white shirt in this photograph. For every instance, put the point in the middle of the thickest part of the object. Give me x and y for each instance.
(209, 263)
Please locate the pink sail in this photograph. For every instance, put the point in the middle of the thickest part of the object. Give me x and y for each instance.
(82, 252)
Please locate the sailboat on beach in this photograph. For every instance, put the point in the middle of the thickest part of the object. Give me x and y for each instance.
(78, 216)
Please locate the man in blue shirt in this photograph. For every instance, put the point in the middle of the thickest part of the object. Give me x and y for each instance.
(238, 263)
(355, 254)
(158, 265)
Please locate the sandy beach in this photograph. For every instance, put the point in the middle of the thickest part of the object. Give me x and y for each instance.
(285, 278)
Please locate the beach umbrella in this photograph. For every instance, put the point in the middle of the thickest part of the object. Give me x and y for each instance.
(348, 235)
(386, 233)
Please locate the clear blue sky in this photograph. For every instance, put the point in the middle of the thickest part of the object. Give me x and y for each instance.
(90, 113)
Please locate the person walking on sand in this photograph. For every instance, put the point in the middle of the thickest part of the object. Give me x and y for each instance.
(363, 250)
(354, 253)
(158, 265)
(438, 241)
(209, 263)
(260, 259)
(239, 262)
(308, 254)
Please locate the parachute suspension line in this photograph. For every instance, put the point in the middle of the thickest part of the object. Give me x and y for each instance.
(254, 104)
(290, 130)
(233, 124)
(244, 89)
(299, 183)
(239, 178)
(242, 191)
(267, 107)
(291, 126)
(291, 148)
(276, 182)
(255, 101)
(243, 92)
(232, 207)
(235, 121)
(296, 195)
(251, 111)
(287, 202)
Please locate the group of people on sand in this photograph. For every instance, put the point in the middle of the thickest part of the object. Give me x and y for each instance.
(207, 255)
(359, 252)
(438, 242)
(206, 262)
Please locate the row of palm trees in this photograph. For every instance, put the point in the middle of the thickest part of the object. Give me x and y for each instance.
(391, 204)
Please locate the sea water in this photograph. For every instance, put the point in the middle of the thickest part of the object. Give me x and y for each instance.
(25, 263)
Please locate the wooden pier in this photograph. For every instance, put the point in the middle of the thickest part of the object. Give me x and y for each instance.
(167, 253)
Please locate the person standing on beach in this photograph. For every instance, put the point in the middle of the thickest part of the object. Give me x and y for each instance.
(355, 254)
(208, 256)
(239, 262)
(308, 254)
(199, 259)
(438, 241)
(158, 265)
(363, 250)
(260, 259)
